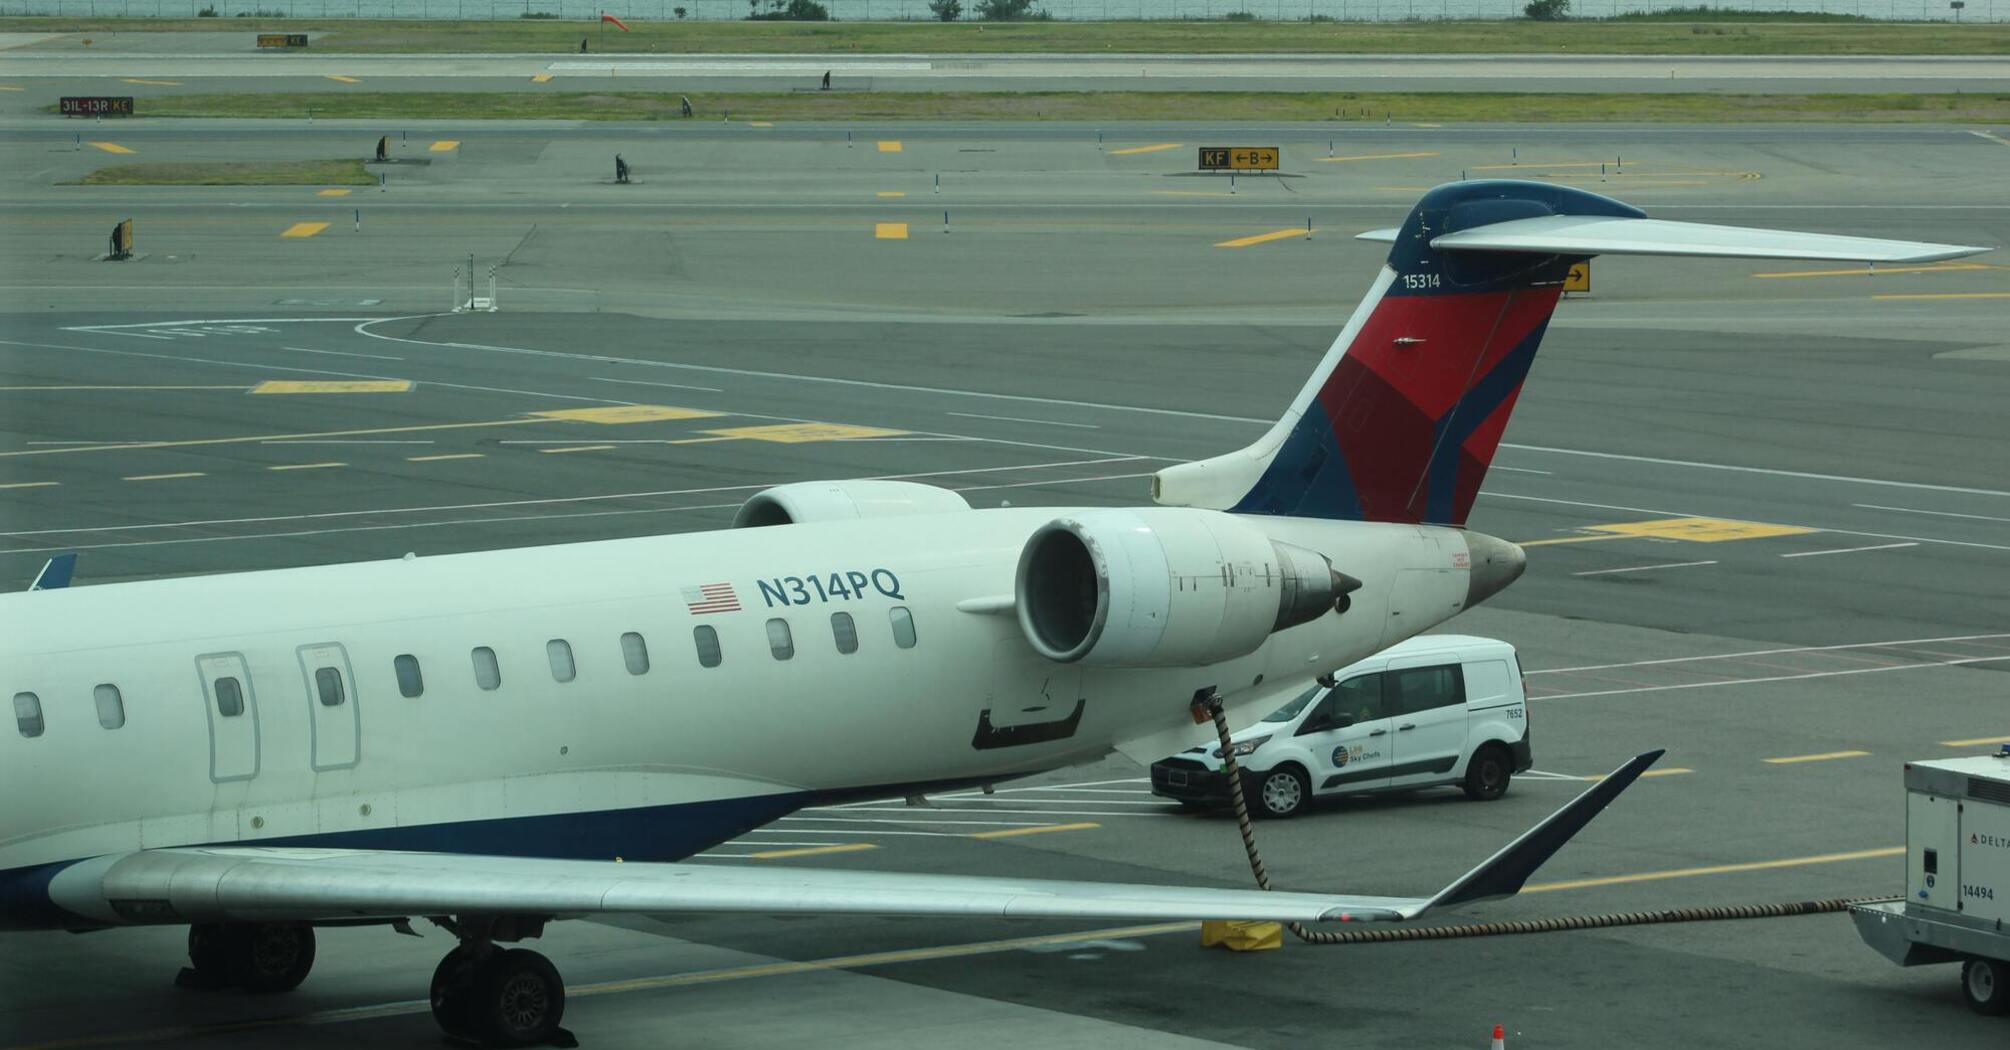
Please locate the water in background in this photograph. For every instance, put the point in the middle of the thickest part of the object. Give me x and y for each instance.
(917, 10)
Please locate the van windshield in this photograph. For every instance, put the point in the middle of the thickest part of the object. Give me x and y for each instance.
(1290, 711)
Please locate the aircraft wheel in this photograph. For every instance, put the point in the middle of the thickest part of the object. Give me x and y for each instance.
(1985, 984)
(269, 957)
(517, 999)
(453, 994)
(209, 952)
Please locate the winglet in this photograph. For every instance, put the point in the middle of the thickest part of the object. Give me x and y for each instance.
(56, 572)
(1503, 874)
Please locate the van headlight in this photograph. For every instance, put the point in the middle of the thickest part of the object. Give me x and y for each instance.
(1246, 747)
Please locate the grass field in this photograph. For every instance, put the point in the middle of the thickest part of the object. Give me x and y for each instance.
(1696, 108)
(1644, 36)
(260, 173)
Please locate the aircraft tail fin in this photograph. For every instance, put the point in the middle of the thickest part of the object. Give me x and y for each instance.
(1402, 417)
(56, 572)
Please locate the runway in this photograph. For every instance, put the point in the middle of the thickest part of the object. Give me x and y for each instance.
(1075, 325)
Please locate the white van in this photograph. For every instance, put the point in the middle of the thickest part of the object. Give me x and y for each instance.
(1443, 709)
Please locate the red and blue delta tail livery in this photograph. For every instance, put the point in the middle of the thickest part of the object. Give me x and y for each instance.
(1402, 418)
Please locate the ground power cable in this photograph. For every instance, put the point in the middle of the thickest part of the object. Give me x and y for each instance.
(1212, 707)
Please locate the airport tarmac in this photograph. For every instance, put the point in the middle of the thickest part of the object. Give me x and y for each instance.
(1764, 506)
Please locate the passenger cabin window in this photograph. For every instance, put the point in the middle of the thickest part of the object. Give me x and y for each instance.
(488, 674)
(328, 682)
(411, 683)
(229, 698)
(111, 706)
(780, 641)
(844, 632)
(707, 641)
(635, 653)
(559, 652)
(903, 626)
(28, 714)
(1352, 702)
(1423, 688)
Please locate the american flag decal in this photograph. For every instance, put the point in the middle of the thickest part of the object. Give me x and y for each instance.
(711, 598)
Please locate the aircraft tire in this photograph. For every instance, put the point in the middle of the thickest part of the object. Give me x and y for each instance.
(517, 999)
(452, 993)
(270, 957)
(209, 951)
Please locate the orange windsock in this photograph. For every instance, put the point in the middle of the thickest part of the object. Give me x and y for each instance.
(610, 18)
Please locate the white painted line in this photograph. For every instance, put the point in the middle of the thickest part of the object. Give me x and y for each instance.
(1018, 419)
(1644, 568)
(1524, 470)
(1850, 550)
(342, 441)
(1780, 678)
(885, 820)
(343, 353)
(1774, 652)
(1756, 470)
(1934, 513)
(644, 382)
(1692, 514)
(1055, 481)
(1013, 812)
(230, 321)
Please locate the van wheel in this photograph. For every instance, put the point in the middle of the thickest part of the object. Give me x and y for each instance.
(1985, 984)
(1282, 792)
(1488, 772)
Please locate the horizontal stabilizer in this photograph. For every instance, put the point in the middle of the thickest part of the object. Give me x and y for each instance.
(1614, 235)
(1387, 236)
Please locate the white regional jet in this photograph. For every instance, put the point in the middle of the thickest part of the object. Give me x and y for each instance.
(496, 740)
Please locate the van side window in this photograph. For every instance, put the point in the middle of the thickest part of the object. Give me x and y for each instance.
(559, 652)
(1352, 702)
(229, 698)
(1489, 682)
(635, 653)
(328, 682)
(780, 641)
(707, 641)
(111, 706)
(844, 632)
(411, 683)
(903, 626)
(1422, 688)
(28, 714)
(488, 674)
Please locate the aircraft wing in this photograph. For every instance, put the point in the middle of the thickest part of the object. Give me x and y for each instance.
(1616, 235)
(290, 884)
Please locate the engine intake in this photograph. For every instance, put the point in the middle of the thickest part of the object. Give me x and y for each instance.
(1165, 587)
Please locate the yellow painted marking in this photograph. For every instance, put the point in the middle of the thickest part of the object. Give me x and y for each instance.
(541, 78)
(195, 442)
(29, 484)
(848, 847)
(345, 80)
(1977, 742)
(11, 87)
(158, 83)
(1190, 193)
(1948, 295)
(801, 433)
(444, 456)
(307, 466)
(445, 145)
(1372, 156)
(1421, 125)
(1703, 530)
(1634, 183)
(1872, 271)
(889, 145)
(164, 477)
(1823, 757)
(1672, 771)
(1015, 832)
(304, 229)
(698, 441)
(1133, 150)
(333, 386)
(889, 231)
(1572, 539)
(1715, 869)
(337, 192)
(121, 388)
(1529, 164)
(891, 193)
(1274, 235)
(575, 448)
(113, 147)
(760, 123)
(626, 414)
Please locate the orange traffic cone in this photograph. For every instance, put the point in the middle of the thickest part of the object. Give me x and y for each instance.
(1500, 1038)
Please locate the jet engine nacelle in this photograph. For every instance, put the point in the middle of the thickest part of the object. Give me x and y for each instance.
(1165, 587)
(844, 501)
